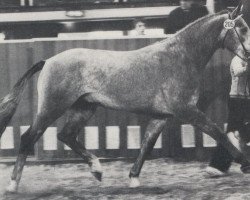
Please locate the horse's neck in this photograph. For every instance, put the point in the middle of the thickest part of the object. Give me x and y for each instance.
(197, 43)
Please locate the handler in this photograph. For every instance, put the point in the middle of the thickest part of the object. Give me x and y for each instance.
(238, 129)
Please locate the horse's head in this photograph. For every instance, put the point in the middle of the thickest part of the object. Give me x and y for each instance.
(235, 35)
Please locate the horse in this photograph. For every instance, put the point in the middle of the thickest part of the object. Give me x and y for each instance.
(161, 80)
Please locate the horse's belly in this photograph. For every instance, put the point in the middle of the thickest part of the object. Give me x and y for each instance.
(159, 110)
(114, 103)
(103, 100)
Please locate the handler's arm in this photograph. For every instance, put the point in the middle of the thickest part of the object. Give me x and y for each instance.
(238, 67)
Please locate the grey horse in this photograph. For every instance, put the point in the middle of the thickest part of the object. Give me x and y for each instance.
(161, 80)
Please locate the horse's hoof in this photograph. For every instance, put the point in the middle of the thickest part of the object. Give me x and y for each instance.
(245, 169)
(134, 182)
(96, 169)
(12, 188)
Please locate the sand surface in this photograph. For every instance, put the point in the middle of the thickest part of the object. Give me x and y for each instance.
(160, 179)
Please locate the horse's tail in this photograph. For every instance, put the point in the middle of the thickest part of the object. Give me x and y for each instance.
(9, 103)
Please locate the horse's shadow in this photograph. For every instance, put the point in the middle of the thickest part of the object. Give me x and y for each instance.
(133, 191)
(91, 192)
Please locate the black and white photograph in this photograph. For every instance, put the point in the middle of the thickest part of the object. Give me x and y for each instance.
(124, 99)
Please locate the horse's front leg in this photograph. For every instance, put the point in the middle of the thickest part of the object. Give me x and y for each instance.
(153, 131)
(195, 117)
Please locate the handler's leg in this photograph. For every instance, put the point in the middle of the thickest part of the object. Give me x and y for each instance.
(221, 159)
(198, 119)
(153, 131)
(76, 119)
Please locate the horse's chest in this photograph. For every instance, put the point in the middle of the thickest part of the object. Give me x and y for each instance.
(179, 90)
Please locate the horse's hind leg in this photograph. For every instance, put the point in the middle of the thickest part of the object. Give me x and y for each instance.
(28, 139)
(198, 119)
(153, 131)
(77, 117)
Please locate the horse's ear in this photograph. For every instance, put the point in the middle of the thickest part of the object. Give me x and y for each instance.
(236, 11)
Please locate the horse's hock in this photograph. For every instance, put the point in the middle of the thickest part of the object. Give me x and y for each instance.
(109, 133)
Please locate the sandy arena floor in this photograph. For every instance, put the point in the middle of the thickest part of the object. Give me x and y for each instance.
(160, 179)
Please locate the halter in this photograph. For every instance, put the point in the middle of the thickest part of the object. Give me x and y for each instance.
(246, 52)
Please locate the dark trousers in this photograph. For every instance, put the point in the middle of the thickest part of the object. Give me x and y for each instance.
(238, 120)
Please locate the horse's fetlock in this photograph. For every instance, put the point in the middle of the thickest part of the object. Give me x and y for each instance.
(133, 174)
